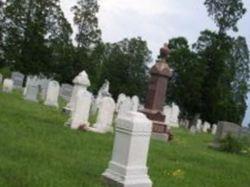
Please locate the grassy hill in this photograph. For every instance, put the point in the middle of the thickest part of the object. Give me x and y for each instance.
(36, 150)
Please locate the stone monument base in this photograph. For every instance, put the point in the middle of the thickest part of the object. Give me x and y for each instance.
(160, 130)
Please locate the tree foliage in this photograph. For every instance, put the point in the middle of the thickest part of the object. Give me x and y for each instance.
(225, 13)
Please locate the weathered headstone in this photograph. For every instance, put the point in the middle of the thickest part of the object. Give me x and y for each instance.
(135, 103)
(17, 78)
(174, 120)
(127, 167)
(43, 86)
(121, 98)
(125, 106)
(214, 129)
(206, 127)
(105, 116)
(52, 94)
(7, 85)
(82, 102)
(193, 129)
(32, 92)
(199, 126)
(66, 91)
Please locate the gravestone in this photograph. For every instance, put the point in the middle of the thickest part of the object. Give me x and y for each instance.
(223, 129)
(81, 82)
(17, 78)
(30, 80)
(156, 95)
(105, 116)
(167, 110)
(127, 167)
(32, 92)
(193, 129)
(199, 126)
(125, 106)
(82, 102)
(121, 98)
(52, 94)
(66, 91)
(8, 85)
(174, 121)
(1, 78)
(43, 86)
(214, 129)
(206, 127)
(135, 103)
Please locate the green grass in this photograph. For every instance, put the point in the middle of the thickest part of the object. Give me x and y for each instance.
(36, 149)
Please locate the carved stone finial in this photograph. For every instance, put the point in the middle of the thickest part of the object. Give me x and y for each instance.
(164, 52)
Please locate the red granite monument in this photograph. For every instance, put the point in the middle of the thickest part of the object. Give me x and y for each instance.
(160, 74)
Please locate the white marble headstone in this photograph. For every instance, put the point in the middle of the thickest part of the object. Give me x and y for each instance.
(52, 94)
(125, 106)
(7, 85)
(135, 103)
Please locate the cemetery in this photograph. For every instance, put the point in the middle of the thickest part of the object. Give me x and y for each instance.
(92, 113)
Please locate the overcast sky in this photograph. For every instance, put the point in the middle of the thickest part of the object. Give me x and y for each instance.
(155, 21)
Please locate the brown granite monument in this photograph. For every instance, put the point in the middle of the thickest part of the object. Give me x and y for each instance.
(160, 74)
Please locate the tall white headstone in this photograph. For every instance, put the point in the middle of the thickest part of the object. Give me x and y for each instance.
(199, 125)
(52, 94)
(105, 116)
(206, 127)
(81, 82)
(82, 102)
(214, 129)
(175, 114)
(8, 85)
(127, 167)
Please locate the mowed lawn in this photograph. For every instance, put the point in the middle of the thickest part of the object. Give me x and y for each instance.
(37, 150)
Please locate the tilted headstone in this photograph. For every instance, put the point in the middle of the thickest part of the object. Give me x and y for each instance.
(17, 78)
(105, 116)
(121, 98)
(66, 91)
(52, 94)
(127, 167)
(135, 103)
(8, 85)
(82, 102)
(1, 78)
(125, 106)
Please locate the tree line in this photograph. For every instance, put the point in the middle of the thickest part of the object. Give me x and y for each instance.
(210, 77)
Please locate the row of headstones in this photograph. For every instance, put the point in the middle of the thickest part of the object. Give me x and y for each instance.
(204, 127)
(133, 129)
(83, 104)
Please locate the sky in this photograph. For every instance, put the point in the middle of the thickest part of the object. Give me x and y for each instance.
(156, 21)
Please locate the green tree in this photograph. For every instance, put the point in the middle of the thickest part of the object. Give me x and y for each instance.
(125, 66)
(87, 23)
(225, 13)
(185, 86)
(34, 27)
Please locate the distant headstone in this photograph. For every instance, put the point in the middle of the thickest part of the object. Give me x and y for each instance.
(127, 167)
(52, 94)
(105, 116)
(17, 78)
(193, 130)
(121, 98)
(199, 126)
(66, 91)
(1, 78)
(125, 106)
(174, 116)
(206, 127)
(81, 103)
(214, 129)
(135, 103)
(8, 85)
(43, 86)
(32, 92)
